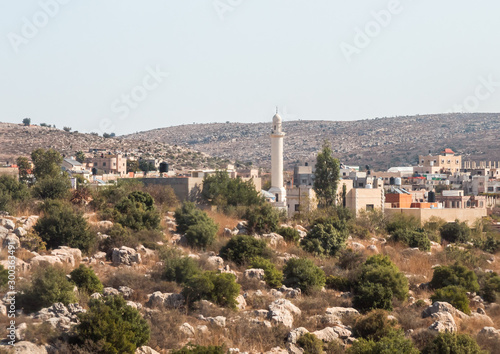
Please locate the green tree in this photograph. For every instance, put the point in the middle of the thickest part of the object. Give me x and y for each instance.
(453, 343)
(80, 156)
(146, 166)
(137, 211)
(303, 274)
(242, 249)
(262, 219)
(133, 166)
(289, 234)
(56, 187)
(199, 349)
(455, 295)
(47, 163)
(179, 269)
(119, 327)
(12, 192)
(490, 287)
(454, 275)
(374, 325)
(27, 121)
(48, 286)
(394, 342)
(326, 238)
(61, 226)
(413, 238)
(24, 167)
(455, 232)
(221, 190)
(221, 289)
(326, 176)
(379, 281)
(86, 280)
(199, 228)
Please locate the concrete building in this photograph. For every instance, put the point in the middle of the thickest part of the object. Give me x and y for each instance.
(108, 163)
(446, 162)
(277, 185)
(301, 199)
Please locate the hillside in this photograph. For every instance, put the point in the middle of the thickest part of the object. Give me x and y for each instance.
(380, 142)
(18, 140)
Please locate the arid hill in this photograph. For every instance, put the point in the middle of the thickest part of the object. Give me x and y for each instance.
(380, 142)
(19, 140)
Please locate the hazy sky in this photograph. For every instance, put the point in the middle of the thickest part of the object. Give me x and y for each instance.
(124, 66)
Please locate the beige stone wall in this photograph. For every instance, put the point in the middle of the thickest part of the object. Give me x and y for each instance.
(450, 215)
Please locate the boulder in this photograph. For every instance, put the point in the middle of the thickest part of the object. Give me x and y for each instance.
(273, 239)
(441, 306)
(21, 266)
(277, 350)
(125, 255)
(187, 329)
(125, 291)
(20, 232)
(203, 329)
(135, 305)
(29, 348)
(372, 248)
(228, 232)
(218, 321)
(169, 300)
(282, 311)
(99, 255)
(11, 239)
(110, 292)
(357, 246)
(295, 334)
(342, 331)
(340, 312)
(8, 224)
(215, 261)
(254, 273)
(327, 334)
(489, 334)
(38, 261)
(105, 224)
(30, 221)
(145, 350)
(68, 255)
(444, 322)
(241, 302)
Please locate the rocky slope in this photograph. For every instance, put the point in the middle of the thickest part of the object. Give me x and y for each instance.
(380, 142)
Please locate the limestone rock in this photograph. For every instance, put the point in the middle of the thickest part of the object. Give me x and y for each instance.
(340, 312)
(145, 350)
(11, 239)
(20, 232)
(327, 334)
(125, 291)
(444, 322)
(8, 224)
(169, 300)
(29, 348)
(105, 224)
(215, 261)
(38, 261)
(187, 329)
(282, 311)
(110, 292)
(295, 334)
(125, 255)
(489, 334)
(277, 350)
(68, 255)
(241, 302)
(372, 248)
(441, 306)
(254, 273)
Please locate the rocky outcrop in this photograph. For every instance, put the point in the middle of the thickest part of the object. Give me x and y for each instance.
(145, 350)
(444, 322)
(281, 311)
(489, 334)
(187, 329)
(38, 261)
(68, 255)
(29, 348)
(125, 255)
(441, 306)
(254, 273)
(60, 316)
(169, 300)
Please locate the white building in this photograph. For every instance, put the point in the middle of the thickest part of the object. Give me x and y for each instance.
(277, 185)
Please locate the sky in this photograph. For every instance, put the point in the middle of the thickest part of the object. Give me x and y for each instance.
(124, 66)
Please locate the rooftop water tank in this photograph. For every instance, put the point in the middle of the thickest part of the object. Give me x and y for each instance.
(368, 186)
(397, 181)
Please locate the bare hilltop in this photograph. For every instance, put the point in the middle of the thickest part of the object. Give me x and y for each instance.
(379, 142)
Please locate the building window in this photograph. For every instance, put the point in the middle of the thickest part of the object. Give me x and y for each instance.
(369, 206)
(491, 189)
(104, 164)
(297, 207)
(442, 161)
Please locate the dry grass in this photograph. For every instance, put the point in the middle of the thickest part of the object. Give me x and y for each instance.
(223, 220)
(416, 263)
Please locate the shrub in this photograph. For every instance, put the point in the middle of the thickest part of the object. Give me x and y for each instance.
(201, 234)
(137, 211)
(272, 276)
(413, 238)
(374, 325)
(455, 295)
(289, 234)
(350, 259)
(242, 249)
(401, 222)
(379, 281)
(48, 286)
(198, 349)
(452, 343)
(11, 192)
(118, 327)
(455, 232)
(338, 283)
(326, 238)
(61, 226)
(52, 187)
(180, 269)
(86, 280)
(262, 219)
(490, 287)
(221, 289)
(394, 342)
(310, 343)
(303, 274)
(454, 275)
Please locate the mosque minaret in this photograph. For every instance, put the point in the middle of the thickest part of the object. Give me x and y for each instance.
(277, 185)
